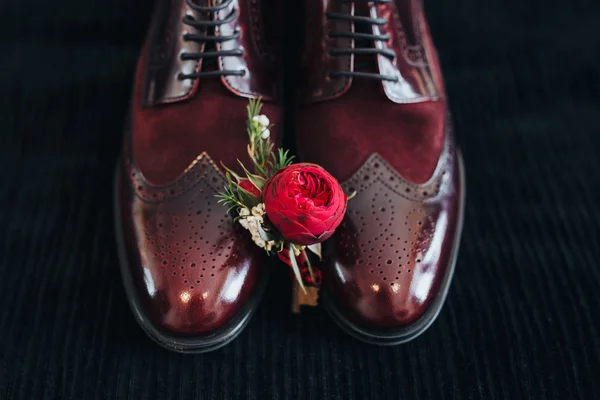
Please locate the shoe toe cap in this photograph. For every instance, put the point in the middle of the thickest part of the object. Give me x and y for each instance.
(384, 295)
(393, 255)
(187, 267)
(195, 300)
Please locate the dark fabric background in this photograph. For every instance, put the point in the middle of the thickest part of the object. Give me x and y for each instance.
(522, 318)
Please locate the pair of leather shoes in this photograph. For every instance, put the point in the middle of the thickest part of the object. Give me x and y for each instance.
(373, 113)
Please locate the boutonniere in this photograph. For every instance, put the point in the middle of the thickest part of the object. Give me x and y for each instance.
(289, 209)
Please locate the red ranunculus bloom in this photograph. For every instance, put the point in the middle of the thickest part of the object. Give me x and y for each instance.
(305, 203)
(249, 187)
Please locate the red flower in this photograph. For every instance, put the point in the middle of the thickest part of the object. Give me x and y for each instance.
(305, 203)
(249, 187)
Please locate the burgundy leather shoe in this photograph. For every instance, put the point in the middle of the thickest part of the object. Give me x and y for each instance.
(193, 278)
(375, 115)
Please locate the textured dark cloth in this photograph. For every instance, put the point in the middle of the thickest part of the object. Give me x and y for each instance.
(522, 318)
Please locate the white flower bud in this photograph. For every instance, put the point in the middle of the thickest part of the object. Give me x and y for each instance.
(252, 219)
(265, 134)
(262, 120)
(258, 211)
(253, 228)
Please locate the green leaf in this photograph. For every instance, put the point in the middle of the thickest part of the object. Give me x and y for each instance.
(256, 180)
(259, 150)
(295, 267)
(266, 234)
(229, 196)
(248, 199)
(258, 168)
(232, 173)
(310, 270)
(254, 107)
(316, 249)
(281, 159)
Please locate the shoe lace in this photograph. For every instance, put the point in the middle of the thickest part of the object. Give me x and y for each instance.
(210, 38)
(356, 19)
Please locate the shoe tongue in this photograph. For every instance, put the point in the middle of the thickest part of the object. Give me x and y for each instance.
(364, 62)
(208, 63)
